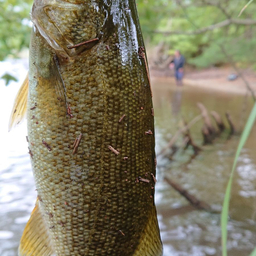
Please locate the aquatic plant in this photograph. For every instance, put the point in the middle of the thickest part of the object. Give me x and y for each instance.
(225, 209)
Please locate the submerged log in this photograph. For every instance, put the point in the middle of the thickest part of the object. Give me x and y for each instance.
(208, 129)
(178, 133)
(218, 121)
(231, 124)
(174, 149)
(196, 148)
(192, 199)
(206, 118)
(208, 138)
(188, 141)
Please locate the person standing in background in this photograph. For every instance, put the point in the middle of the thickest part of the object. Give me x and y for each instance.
(178, 65)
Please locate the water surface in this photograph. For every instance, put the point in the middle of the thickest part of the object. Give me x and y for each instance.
(185, 231)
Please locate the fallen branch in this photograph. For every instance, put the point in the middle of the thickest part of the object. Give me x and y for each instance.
(192, 199)
(218, 121)
(188, 141)
(208, 129)
(178, 133)
(206, 118)
(206, 135)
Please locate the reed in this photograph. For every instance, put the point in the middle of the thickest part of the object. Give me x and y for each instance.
(225, 208)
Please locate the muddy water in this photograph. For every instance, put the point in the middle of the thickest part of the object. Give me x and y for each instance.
(184, 230)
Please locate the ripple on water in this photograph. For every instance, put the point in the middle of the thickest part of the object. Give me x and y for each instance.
(22, 220)
(5, 234)
(185, 231)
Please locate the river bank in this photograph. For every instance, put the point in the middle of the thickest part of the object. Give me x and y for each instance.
(211, 79)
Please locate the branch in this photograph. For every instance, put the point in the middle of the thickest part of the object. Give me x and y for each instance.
(178, 133)
(192, 199)
(219, 6)
(245, 22)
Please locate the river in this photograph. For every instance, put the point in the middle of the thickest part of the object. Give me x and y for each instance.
(185, 231)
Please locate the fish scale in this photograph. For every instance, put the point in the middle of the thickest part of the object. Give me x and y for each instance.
(91, 132)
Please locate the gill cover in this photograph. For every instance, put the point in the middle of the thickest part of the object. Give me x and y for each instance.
(64, 24)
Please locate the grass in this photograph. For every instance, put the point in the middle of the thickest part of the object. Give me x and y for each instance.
(253, 253)
(225, 208)
(245, 7)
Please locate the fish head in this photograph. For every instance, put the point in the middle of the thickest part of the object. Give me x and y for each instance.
(64, 24)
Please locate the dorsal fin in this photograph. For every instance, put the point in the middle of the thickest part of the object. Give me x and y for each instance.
(20, 105)
(35, 240)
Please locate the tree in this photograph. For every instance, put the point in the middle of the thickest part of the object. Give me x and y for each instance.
(15, 26)
(198, 27)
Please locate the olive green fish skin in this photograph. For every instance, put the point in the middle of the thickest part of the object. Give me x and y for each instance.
(96, 192)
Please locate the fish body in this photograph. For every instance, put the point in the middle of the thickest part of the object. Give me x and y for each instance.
(90, 132)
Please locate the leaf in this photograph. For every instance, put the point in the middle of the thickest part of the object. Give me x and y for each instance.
(8, 78)
(225, 209)
(244, 8)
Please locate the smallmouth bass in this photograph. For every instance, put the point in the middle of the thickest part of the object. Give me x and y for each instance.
(90, 132)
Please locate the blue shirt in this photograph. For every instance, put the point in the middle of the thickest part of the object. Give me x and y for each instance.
(179, 62)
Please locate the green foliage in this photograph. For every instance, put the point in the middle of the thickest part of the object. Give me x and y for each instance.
(14, 26)
(225, 208)
(201, 49)
(8, 78)
(156, 16)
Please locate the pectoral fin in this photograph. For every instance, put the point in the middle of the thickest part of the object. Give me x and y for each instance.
(20, 105)
(35, 240)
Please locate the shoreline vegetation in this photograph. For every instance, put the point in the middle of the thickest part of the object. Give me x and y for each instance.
(210, 79)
